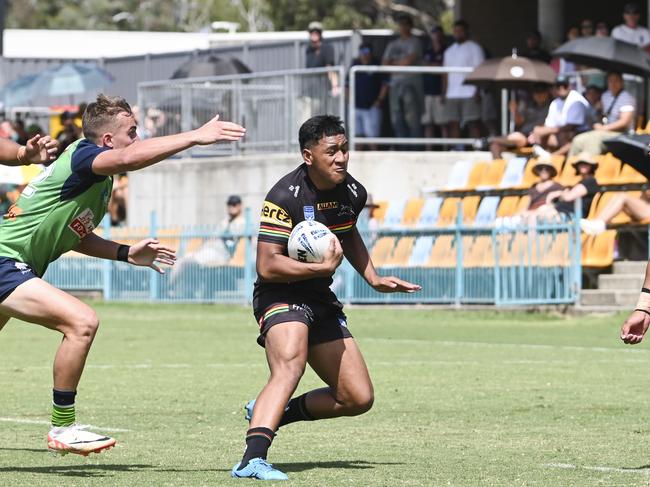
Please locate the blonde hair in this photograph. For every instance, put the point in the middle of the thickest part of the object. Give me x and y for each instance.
(101, 115)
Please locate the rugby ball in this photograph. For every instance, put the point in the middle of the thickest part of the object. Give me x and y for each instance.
(308, 242)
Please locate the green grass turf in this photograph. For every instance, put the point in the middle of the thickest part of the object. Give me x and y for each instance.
(461, 399)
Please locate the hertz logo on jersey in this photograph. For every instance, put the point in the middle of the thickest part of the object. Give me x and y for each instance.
(272, 213)
(329, 205)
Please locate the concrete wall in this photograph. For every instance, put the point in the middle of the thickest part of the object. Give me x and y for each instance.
(194, 191)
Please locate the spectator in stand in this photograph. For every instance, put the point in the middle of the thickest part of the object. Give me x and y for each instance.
(462, 104)
(34, 129)
(433, 118)
(561, 65)
(638, 209)
(567, 116)
(539, 192)
(119, 198)
(618, 108)
(602, 29)
(405, 95)
(593, 95)
(527, 114)
(21, 133)
(534, 48)
(70, 131)
(586, 28)
(321, 55)
(630, 31)
(233, 224)
(370, 91)
(562, 201)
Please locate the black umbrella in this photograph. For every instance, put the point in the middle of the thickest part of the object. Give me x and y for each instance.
(606, 53)
(511, 73)
(209, 65)
(633, 150)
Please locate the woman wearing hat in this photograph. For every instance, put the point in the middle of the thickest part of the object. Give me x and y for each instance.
(561, 202)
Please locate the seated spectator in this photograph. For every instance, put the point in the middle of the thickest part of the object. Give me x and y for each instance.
(593, 95)
(527, 114)
(370, 91)
(433, 118)
(21, 133)
(534, 48)
(586, 28)
(119, 199)
(638, 209)
(602, 29)
(561, 202)
(630, 31)
(70, 131)
(617, 117)
(539, 192)
(567, 116)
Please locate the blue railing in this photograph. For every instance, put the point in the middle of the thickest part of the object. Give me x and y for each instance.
(458, 264)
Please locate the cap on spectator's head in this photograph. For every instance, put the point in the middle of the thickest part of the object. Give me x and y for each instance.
(233, 200)
(437, 28)
(315, 26)
(562, 80)
(66, 116)
(631, 8)
(365, 49)
(593, 86)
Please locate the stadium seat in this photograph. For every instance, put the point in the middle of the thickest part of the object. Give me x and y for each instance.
(448, 212)
(470, 208)
(401, 253)
(394, 213)
(380, 211)
(604, 200)
(479, 253)
(630, 175)
(458, 176)
(412, 212)
(443, 252)
(522, 204)
(238, 258)
(421, 251)
(557, 251)
(494, 174)
(598, 251)
(608, 170)
(487, 211)
(478, 172)
(514, 173)
(507, 206)
(382, 250)
(430, 212)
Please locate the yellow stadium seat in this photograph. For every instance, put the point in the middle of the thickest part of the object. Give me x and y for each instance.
(238, 258)
(412, 211)
(556, 251)
(630, 175)
(568, 177)
(443, 252)
(481, 253)
(507, 206)
(448, 212)
(604, 200)
(476, 175)
(380, 211)
(522, 204)
(470, 208)
(494, 173)
(401, 253)
(382, 250)
(608, 170)
(598, 251)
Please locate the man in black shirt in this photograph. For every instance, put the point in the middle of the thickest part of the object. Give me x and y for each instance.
(301, 320)
(321, 55)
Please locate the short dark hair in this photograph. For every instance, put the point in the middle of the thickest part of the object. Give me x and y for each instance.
(461, 23)
(406, 18)
(615, 73)
(318, 127)
(101, 113)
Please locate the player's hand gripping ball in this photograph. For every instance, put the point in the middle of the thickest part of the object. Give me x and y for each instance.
(309, 241)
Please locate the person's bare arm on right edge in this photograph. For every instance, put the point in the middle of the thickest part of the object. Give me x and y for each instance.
(143, 153)
(636, 325)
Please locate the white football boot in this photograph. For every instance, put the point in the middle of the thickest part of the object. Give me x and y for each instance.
(76, 439)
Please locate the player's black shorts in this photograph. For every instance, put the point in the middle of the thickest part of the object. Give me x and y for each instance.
(326, 321)
(12, 275)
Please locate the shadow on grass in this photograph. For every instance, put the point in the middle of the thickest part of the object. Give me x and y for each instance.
(31, 450)
(637, 469)
(343, 464)
(99, 470)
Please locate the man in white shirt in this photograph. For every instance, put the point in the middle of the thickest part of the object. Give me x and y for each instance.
(618, 107)
(567, 116)
(631, 31)
(462, 101)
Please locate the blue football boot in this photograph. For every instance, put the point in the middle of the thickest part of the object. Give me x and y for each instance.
(249, 410)
(259, 469)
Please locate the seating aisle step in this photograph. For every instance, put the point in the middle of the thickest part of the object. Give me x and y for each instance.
(599, 297)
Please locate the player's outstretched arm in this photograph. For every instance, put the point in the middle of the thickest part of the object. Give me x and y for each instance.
(146, 253)
(357, 254)
(636, 325)
(274, 266)
(38, 150)
(143, 153)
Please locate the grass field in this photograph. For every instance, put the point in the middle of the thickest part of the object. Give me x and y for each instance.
(461, 399)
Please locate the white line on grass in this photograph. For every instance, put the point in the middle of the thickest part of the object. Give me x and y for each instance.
(570, 466)
(40, 421)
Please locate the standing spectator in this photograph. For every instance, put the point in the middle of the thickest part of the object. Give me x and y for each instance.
(462, 106)
(566, 117)
(434, 110)
(70, 131)
(618, 107)
(233, 224)
(631, 31)
(561, 65)
(405, 95)
(321, 55)
(602, 29)
(586, 28)
(21, 133)
(534, 48)
(370, 91)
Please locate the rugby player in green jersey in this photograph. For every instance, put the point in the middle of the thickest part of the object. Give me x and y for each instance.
(57, 212)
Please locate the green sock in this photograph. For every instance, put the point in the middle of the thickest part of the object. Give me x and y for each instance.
(63, 413)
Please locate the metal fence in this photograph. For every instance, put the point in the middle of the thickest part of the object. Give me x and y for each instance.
(454, 265)
(271, 106)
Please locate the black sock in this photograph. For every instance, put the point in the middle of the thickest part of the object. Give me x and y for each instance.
(258, 441)
(296, 410)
